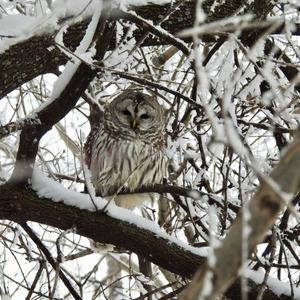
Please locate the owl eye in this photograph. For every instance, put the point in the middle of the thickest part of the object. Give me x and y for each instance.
(144, 116)
(126, 112)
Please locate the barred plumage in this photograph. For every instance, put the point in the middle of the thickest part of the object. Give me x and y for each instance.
(126, 148)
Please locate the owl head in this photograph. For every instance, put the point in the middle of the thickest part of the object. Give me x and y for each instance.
(136, 114)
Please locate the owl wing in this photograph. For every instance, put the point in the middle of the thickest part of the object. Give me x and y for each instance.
(89, 144)
(96, 120)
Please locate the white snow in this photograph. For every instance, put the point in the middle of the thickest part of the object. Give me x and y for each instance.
(71, 67)
(234, 138)
(19, 27)
(278, 287)
(70, 8)
(15, 25)
(207, 286)
(46, 187)
(216, 26)
(81, 51)
(143, 2)
(23, 27)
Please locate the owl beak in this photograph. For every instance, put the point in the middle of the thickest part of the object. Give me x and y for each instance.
(134, 124)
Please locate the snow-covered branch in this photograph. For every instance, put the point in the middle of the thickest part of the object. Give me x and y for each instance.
(272, 196)
(121, 227)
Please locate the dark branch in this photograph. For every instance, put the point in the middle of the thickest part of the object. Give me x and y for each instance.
(42, 56)
(22, 204)
(50, 259)
(58, 108)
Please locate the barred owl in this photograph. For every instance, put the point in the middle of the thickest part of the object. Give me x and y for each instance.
(125, 150)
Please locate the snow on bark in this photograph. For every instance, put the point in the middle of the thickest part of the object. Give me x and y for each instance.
(46, 187)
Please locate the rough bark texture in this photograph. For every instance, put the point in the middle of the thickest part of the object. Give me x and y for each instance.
(21, 204)
(58, 107)
(38, 55)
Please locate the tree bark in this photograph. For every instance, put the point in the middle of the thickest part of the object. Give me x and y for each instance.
(21, 204)
(38, 54)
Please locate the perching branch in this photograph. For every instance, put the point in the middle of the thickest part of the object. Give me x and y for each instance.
(21, 204)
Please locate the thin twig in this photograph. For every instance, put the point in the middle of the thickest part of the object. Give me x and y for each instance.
(50, 259)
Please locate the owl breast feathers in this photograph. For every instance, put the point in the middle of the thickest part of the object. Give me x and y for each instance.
(126, 149)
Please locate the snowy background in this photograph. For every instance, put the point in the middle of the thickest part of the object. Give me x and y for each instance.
(231, 114)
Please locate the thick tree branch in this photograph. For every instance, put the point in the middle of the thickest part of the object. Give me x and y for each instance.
(58, 107)
(42, 56)
(21, 204)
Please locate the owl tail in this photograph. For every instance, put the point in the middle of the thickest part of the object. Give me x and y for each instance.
(130, 201)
